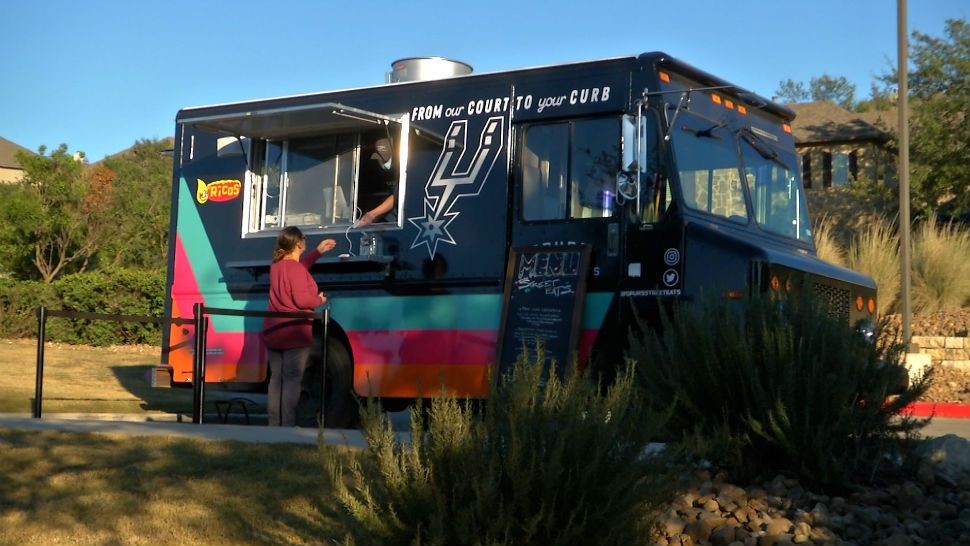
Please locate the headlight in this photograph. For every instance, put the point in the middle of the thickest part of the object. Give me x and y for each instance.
(867, 329)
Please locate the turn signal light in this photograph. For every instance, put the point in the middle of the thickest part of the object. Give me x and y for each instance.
(664, 77)
(716, 99)
(859, 303)
(872, 305)
(775, 283)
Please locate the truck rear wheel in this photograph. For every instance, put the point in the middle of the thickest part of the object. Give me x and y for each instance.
(339, 400)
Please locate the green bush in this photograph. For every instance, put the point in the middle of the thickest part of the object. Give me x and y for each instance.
(18, 306)
(875, 252)
(778, 387)
(113, 291)
(941, 266)
(547, 462)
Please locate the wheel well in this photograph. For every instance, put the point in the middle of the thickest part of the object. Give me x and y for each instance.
(336, 332)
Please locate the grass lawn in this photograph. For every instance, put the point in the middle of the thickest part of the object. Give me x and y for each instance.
(62, 487)
(88, 380)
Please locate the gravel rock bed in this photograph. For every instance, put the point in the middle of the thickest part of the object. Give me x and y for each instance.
(948, 385)
(949, 324)
(930, 510)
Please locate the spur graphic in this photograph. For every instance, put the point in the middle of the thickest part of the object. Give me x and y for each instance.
(449, 182)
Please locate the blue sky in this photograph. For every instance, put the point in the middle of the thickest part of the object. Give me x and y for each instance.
(100, 74)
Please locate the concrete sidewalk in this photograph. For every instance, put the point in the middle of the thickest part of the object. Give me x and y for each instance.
(171, 425)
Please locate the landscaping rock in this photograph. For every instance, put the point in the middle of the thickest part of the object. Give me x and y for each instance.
(950, 456)
(906, 513)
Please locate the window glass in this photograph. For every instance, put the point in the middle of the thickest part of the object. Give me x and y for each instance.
(707, 163)
(544, 172)
(840, 169)
(272, 184)
(777, 197)
(320, 181)
(569, 169)
(593, 167)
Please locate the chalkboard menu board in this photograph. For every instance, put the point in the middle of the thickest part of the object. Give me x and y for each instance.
(545, 287)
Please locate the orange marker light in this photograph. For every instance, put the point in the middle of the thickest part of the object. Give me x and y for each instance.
(787, 285)
(664, 77)
(729, 104)
(859, 302)
(786, 128)
(775, 283)
(742, 110)
(716, 99)
(872, 305)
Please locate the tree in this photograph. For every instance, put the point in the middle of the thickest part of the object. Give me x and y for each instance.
(140, 204)
(821, 88)
(939, 90)
(54, 217)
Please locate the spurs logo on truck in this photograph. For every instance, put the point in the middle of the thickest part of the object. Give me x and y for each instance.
(447, 183)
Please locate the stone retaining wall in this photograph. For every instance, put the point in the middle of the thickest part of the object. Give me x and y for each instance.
(948, 351)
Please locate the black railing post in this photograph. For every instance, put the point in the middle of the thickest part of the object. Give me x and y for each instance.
(323, 364)
(39, 378)
(198, 359)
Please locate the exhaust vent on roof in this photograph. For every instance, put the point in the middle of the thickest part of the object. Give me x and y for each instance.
(414, 69)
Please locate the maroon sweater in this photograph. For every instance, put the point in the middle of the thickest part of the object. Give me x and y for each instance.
(292, 290)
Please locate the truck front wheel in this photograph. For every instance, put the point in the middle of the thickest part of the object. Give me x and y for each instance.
(339, 400)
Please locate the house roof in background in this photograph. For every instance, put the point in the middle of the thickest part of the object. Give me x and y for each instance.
(7, 151)
(818, 122)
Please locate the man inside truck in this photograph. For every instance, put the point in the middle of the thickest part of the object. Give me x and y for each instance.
(377, 181)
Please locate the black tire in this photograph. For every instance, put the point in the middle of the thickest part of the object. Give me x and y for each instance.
(340, 402)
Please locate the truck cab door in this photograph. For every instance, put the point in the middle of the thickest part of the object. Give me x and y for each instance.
(565, 176)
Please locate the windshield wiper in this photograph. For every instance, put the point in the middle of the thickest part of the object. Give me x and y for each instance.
(763, 149)
(706, 133)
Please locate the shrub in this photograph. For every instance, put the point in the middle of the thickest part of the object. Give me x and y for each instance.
(113, 291)
(787, 388)
(18, 306)
(116, 291)
(941, 266)
(875, 252)
(547, 462)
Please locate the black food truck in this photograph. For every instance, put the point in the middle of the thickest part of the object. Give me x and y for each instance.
(477, 213)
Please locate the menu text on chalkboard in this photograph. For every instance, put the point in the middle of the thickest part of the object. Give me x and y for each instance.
(545, 287)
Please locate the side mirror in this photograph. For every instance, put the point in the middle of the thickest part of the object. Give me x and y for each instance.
(631, 143)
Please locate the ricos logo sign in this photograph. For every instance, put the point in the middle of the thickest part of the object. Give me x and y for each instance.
(220, 190)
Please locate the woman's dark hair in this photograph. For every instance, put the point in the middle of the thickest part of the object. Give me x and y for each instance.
(287, 240)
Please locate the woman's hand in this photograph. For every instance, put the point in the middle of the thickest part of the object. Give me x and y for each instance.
(325, 246)
(323, 299)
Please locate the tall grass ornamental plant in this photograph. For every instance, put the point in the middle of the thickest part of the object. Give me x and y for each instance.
(875, 252)
(941, 266)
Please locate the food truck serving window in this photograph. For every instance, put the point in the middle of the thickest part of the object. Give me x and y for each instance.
(319, 166)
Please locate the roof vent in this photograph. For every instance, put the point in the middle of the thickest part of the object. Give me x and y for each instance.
(414, 69)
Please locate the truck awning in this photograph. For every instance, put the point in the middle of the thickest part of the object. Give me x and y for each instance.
(292, 121)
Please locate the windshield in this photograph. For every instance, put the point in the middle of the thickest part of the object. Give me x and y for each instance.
(707, 164)
(776, 194)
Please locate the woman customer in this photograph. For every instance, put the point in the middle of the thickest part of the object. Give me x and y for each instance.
(288, 340)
